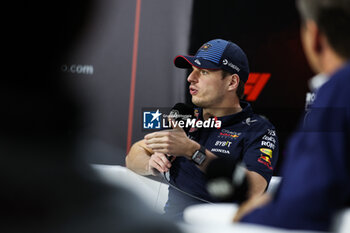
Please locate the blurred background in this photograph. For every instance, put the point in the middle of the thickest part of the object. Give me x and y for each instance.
(122, 62)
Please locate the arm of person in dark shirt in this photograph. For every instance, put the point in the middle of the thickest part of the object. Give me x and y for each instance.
(257, 184)
(144, 161)
(176, 143)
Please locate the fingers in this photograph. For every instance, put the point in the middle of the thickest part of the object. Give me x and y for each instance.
(167, 142)
(162, 140)
(158, 141)
(161, 145)
(159, 162)
(165, 136)
(158, 134)
(165, 133)
(161, 150)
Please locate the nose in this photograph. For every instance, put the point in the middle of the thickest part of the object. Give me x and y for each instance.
(193, 77)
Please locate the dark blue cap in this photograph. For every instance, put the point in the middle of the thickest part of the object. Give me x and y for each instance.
(217, 54)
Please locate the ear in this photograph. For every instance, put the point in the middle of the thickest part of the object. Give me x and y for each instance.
(234, 81)
(316, 37)
(313, 44)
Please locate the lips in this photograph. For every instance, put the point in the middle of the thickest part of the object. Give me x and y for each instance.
(193, 91)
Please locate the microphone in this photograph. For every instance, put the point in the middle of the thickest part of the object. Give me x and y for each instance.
(181, 112)
(227, 181)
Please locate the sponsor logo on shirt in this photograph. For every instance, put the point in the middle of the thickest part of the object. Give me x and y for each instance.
(271, 132)
(248, 121)
(266, 161)
(220, 150)
(196, 113)
(268, 144)
(266, 152)
(223, 143)
(192, 129)
(269, 138)
(227, 134)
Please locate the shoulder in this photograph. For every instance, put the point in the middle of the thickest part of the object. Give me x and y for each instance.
(253, 120)
(335, 92)
(256, 121)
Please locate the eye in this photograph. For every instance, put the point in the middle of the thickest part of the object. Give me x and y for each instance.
(204, 72)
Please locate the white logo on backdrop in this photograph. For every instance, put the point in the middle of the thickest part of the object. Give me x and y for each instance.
(78, 69)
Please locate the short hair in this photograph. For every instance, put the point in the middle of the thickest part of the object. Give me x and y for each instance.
(332, 18)
(240, 88)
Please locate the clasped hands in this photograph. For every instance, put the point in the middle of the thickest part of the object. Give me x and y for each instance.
(168, 142)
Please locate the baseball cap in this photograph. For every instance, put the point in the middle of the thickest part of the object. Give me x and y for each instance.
(217, 54)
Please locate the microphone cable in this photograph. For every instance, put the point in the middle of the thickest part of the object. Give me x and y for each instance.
(183, 192)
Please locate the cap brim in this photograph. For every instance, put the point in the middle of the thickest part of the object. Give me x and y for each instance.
(186, 62)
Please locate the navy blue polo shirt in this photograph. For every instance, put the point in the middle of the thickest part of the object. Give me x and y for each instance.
(316, 171)
(243, 136)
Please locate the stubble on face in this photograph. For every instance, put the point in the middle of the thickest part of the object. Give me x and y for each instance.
(211, 94)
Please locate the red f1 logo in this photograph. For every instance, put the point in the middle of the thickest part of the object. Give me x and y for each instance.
(256, 82)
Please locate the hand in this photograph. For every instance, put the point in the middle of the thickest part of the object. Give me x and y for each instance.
(158, 162)
(173, 142)
(250, 205)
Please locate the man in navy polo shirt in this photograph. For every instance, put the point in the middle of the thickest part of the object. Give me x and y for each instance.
(219, 71)
(316, 173)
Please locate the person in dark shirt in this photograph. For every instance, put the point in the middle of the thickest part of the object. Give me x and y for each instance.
(219, 71)
(316, 173)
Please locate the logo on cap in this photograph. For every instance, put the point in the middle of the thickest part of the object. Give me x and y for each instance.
(197, 61)
(225, 62)
(205, 47)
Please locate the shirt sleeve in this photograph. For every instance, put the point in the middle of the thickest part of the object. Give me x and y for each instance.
(261, 151)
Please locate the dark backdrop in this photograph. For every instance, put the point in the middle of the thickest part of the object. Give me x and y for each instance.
(268, 31)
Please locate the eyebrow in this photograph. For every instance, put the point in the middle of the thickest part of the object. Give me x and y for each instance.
(193, 67)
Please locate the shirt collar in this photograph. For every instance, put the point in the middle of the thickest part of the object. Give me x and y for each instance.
(230, 119)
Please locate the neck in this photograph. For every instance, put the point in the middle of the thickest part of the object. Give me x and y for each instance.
(331, 61)
(331, 65)
(224, 110)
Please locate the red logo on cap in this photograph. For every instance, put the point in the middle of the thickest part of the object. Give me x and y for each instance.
(205, 47)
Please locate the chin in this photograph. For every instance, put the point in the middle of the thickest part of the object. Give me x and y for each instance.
(196, 102)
